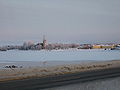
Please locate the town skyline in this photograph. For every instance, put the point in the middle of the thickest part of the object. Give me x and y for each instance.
(29, 45)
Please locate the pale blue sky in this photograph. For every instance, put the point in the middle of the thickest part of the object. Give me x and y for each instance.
(79, 21)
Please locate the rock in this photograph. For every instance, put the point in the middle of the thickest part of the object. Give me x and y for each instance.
(9, 66)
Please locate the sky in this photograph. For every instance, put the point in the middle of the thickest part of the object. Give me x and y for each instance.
(65, 21)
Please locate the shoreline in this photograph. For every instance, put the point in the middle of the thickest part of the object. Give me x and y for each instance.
(8, 74)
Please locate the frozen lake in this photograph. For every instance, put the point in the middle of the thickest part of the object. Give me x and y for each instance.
(60, 55)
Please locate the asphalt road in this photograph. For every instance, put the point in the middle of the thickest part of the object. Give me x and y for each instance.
(59, 80)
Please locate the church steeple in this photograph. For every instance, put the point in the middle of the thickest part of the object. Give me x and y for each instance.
(44, 42)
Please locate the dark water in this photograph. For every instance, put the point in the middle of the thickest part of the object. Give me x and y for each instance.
(103, 84)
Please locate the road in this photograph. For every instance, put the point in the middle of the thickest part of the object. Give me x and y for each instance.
(54, 81)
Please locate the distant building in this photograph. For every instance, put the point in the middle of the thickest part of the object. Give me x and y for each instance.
(116, 47)
(102, 46)
(97, 46)
(85, 46)
(44, 42)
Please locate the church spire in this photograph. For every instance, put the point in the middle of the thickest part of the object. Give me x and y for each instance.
(44, 42)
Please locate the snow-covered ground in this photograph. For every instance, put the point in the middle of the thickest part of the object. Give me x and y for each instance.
(60, 55)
